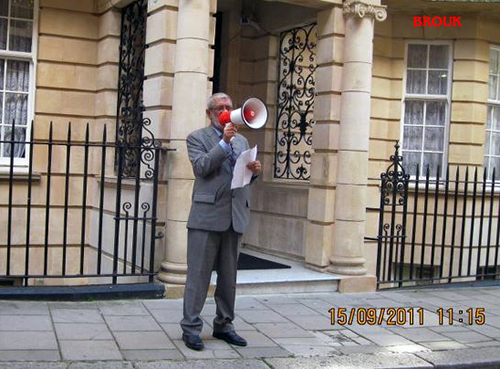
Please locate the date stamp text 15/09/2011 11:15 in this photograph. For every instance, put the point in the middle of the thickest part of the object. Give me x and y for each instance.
(405, 316)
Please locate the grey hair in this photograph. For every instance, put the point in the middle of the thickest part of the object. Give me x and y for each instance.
(217, 96)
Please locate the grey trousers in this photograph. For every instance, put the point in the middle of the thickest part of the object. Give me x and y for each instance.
(206, 249)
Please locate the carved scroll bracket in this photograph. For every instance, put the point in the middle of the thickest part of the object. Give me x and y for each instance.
(361, 9)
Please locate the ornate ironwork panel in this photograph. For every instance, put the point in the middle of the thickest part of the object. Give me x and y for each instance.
(295, 108)
(392, 231)
(129, 122)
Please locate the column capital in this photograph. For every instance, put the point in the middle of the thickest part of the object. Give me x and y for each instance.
(362, 9)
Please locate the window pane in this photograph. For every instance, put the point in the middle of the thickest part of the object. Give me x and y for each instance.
(4, 8)
(438, 82)
(2, 63)
(495, 118)
(20, 36)
(19, 136)
(438, 57)
(414, 112)
(417, 56)
(433, 161)
(434, 139)
(415, 82)
(494, 56)
(494, 164)
(435, 113)
(1, 109)
(18, 75)
(412, 138)
(22, 9)
(16, 108)
(495, 144)
(411, 160)
(489, 117)
(3, 34)
(487, 143)
(492, 87)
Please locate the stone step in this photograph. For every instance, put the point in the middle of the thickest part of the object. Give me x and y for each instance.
(297, 286)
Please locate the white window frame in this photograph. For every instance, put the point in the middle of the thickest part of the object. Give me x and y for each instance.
(426, 98)
(493, 103)
(31, 57)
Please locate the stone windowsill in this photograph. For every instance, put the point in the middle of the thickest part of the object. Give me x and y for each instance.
(19, 174)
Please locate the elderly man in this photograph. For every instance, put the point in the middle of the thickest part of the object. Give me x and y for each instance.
(218, 218)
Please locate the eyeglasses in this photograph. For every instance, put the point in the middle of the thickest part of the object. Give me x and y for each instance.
(220, 108)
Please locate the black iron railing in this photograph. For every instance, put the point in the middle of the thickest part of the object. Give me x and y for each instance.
(70, 216)
(437, 227)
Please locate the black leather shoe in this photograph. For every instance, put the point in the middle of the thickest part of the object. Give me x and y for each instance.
(193, 341)
(231, 338)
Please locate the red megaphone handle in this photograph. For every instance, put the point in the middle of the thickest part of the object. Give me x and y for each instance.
(225, 118)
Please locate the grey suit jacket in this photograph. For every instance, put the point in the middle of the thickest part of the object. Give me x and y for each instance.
(214, 205)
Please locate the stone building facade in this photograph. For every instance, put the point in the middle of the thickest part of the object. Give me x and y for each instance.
(361, 62)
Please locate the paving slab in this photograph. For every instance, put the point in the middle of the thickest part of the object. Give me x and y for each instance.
(30, 355)
(480, 357)
(167, 316)
(90, 350)
(407, 348)
(25, 323)
(147, 355)
(419, 334)
(132, 323)
(77, 316)
(28, 341)
(122, 308)
(249, 303)
(293, 309)
(387, 339)
(262, 352)
(23, 308)
(257, 339)
(163, 304)
(72, 305)
(283, 330)
(261, 316)
(444, 345)
(306, 350)
(35, 365)
(361, 349)
(206, 353)
(466, 337)
(143, 340)
(313, 322)
(82, 331)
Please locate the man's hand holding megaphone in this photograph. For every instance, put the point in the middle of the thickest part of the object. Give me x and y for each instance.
(229, 132)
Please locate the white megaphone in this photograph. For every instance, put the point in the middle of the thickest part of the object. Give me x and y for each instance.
(253, 114)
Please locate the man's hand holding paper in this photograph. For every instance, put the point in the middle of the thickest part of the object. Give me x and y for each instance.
(246, 165)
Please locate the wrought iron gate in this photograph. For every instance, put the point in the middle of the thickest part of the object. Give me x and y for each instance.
(70, 215)
(438, 227)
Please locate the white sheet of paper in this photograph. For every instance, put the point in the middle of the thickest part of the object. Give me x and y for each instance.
(241, 174)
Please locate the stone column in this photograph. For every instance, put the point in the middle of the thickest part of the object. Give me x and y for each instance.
(321, 200)
(347, 255)
(188, 113)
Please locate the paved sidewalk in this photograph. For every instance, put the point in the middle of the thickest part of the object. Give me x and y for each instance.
(282, 331)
